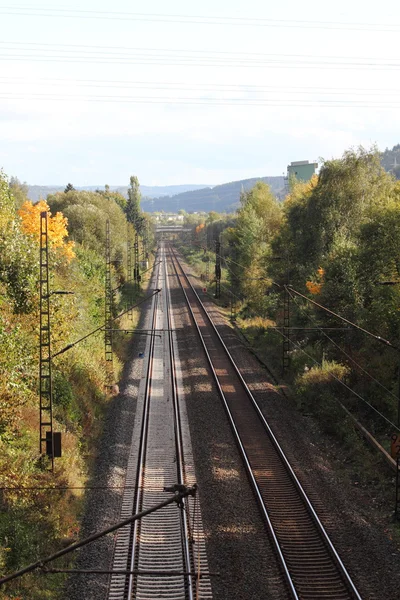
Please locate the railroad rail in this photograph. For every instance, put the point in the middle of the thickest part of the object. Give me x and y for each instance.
(157, 552)
(310, 563)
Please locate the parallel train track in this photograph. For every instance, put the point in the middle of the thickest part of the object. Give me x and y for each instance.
(157, 553)
(311, 565)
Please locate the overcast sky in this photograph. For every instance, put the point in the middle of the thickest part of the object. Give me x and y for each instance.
(92, 92)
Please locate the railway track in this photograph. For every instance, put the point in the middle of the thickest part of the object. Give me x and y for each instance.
(310, 563)
(156, 557)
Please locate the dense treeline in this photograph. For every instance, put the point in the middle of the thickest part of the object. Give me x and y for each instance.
(336, 240)
(35, 522)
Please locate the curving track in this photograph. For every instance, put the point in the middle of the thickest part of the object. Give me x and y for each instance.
(311, 565)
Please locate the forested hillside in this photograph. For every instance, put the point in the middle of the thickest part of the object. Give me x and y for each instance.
(36, 519)
(35, 192)
(220, 198)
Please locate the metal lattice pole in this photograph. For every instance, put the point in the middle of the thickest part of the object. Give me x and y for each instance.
(286, 331)
(136, 272)
(129, 275)
(45, 381)
(217, 268)
(108, 313)
(207, 266)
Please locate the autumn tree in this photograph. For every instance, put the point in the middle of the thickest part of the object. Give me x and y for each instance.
(87, 214)
(56, 226)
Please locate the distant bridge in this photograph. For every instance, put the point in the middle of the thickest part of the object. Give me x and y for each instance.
(171, 228)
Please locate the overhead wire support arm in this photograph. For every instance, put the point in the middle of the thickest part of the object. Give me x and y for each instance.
(101, 328)
(179, 492)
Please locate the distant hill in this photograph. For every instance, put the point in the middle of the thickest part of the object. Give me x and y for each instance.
(171, 198)
(150, 191)
(221, 198)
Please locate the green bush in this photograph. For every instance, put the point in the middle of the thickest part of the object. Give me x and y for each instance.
(318, 390)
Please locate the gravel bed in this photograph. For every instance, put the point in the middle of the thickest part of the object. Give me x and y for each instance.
(103, 506)
(238, 547)
(353, 514)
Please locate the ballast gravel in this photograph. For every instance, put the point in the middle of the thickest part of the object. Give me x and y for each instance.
(240, 554)
(103, 505)
(352, 514)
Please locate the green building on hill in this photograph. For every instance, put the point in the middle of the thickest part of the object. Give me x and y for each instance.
(302, 170)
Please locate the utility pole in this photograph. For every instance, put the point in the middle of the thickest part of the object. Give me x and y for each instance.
(108, 349)
(128, 257)
(217, 268)
(286, 325)
(136, 271)
(129, 274)
(49, 440)
(45, 381)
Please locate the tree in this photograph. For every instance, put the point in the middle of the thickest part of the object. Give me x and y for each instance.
(56, 226)
(133, 210)
(69, 188)
(87, 213)
(19, 191)
(116, 196)
(259, 219)
(18, 259)
(322, 218)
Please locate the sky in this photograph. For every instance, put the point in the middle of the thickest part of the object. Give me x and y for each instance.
(178, 93)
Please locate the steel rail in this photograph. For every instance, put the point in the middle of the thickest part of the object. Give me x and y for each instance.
(178, 436)
(346, 578)
(180, 559)
(143, 446)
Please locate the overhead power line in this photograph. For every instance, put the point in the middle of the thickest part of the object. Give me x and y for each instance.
(197, 19)
(180, 59)
(183, 86)
(181, 51)
(331, 312)
(298, 346)
(350, 358)
(276, 102)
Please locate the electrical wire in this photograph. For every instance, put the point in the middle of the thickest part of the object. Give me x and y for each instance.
(181, 101)
(182, 86)
(348, 355)
(328, 310)
(196, 19)
(187, 61)
(339, 380)
(117, 51)
(179, 51)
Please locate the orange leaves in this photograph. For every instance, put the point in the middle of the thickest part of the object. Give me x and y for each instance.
(315, 287)
(199, 228)
(57, 226)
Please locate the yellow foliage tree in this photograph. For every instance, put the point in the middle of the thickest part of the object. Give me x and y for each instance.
(301, 189)
(315, 287)
(56, 226)
(199, 228)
